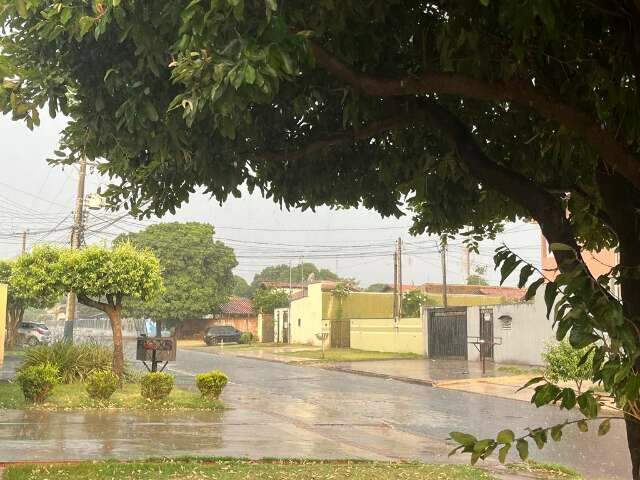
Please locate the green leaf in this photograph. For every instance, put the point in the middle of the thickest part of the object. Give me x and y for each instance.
(249, 74)
(533, 381)
(523, 448)
(508, 267)
(560, 247)
(480, 446)
(151, 112)
(463, 438)
(581, 337)
(505, 436)
(525, 273)
(604, 427)
(85, 25)
(21, 7)
(583, 426)
(502, 453)
(533, 288)
(550, 294)
(65, 15)
(568, 398)
(556, 432)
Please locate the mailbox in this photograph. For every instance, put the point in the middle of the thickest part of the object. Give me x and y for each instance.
(156, 349)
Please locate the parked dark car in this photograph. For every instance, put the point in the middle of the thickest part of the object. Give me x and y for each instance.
(221, 333)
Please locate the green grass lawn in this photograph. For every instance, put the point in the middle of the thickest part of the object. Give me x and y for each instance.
(545, 470)
(348, 355)
(245, 470)
(74, 396)
(519, 370)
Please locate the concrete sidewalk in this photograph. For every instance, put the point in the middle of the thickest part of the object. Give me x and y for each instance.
(8, 367)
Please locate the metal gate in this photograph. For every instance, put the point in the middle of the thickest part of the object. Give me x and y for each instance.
(340, 333)
(486, 331)
(447, 331)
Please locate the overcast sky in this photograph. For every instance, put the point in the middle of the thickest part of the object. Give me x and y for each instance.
(357, 243)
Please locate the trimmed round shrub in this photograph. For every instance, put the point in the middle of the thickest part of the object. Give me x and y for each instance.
(246, 337)
(37, 381)
(156, 385)
(101, 384)
(211, 384)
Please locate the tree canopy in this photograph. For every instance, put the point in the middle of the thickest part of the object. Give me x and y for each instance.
(240, 287)
(473, 111)
(196, 270)
(33, 283)
(284, 272)
(266, 300)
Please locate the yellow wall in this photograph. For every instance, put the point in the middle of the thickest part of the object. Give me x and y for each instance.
(460, 300)
(3, 317)
(358, 305)
(306, 317)
(380, 335)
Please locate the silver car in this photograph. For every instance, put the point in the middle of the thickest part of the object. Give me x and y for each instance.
(32, 333)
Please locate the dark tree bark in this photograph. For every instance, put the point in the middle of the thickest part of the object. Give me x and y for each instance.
(14, 318)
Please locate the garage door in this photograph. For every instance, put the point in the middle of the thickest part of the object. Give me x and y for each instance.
(447, 331)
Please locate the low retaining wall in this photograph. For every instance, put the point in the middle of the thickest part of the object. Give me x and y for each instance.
(381, 335)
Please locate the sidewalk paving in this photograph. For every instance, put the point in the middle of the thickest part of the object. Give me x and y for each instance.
(8, 367)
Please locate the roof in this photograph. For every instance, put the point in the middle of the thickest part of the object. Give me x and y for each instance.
(237, 305)
(507, 292)
(278, 284)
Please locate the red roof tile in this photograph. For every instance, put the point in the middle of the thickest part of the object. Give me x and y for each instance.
(237, 305)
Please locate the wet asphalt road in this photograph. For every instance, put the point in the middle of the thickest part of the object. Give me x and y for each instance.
(322, 397)
(278, 410)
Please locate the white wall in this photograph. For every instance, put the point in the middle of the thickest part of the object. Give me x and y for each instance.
(525, 341)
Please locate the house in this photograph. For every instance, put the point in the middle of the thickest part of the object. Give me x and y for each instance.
(291, 288)
(318, 311)
(598, 263)
(237, 312)
(462, 295)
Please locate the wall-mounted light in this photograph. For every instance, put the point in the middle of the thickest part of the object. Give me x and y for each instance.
(505, 321)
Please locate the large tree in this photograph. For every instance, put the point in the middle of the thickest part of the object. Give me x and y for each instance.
(196, 271)
(476, 111)
(32, 281)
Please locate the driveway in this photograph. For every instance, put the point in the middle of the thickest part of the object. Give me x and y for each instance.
(296, 411)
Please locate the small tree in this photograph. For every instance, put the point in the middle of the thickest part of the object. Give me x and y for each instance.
(477, 278)
(104, 278)
(340, 292)
(266, 300)
(33, 282)
(562, 364)
(413, 301)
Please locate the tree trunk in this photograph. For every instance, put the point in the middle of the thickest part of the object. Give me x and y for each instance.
(14, 318)
(118, 351)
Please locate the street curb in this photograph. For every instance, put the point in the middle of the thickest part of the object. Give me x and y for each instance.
(415, 381)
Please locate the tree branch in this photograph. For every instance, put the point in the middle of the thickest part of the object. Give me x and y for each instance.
(602, 139)
(89, 302)
(345, 136)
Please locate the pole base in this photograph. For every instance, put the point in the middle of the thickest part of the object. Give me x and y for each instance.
(68, 330)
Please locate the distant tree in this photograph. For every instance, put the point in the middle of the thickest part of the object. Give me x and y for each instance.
(32, 283)
(282, 273)
(412, 301)
(197, 271)
(266, 300)
(378, 287)
(240, 287)
(106, 279)
(478, 278)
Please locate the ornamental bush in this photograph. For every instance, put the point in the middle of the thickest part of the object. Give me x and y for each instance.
(246, 338)
(37, 381)
(156, 385)
(562, 364)
(211, 384)
(101, 384)
(74, 361)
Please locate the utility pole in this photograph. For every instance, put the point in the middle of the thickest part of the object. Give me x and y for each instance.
(24, 241)
(290, 278)
(395, 283)
(467, 262)
(443, 258)
(76, 235)
(399, 277)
